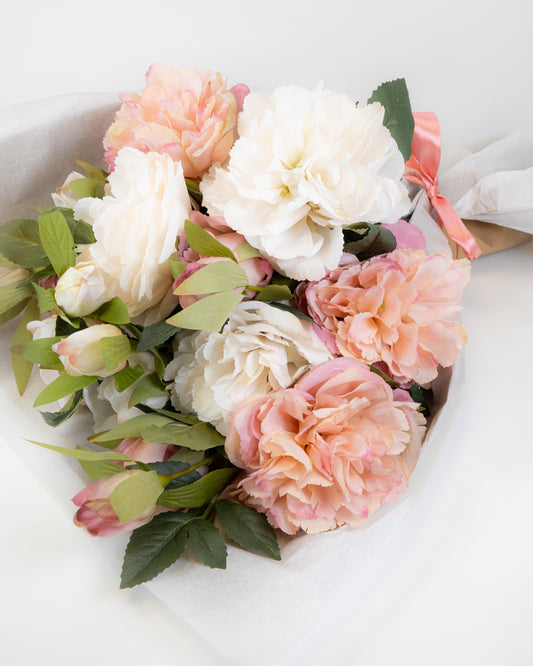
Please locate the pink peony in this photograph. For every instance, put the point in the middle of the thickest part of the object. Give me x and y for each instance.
(329, 451)
(395, 308)
(258, 270)
(186, 113)
(96, 514)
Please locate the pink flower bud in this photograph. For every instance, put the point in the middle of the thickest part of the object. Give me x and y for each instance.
(80, 354)
(96, 514)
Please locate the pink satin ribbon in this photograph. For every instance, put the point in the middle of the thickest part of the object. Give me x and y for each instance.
(423, 166)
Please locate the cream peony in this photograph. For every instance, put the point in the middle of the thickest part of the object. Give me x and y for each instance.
(261, 349)
(136, 227)
(306, 164)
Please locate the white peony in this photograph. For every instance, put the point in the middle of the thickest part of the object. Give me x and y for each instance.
(261, 349)
(136, 226)
(306, 164)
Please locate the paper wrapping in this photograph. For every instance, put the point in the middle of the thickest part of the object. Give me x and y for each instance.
(279, 606)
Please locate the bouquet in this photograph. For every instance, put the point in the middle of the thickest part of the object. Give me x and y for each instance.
(240, 300)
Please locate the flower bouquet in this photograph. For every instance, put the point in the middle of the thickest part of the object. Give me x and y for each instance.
(240, 300)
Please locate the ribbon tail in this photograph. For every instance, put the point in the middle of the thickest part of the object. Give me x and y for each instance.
(455, 227)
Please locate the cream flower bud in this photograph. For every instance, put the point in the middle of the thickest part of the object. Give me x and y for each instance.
(12, 275)
(64, 196)
(81, 289)
(80, 354)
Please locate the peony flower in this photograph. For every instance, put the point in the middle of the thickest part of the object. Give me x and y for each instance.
(80, 354)
(81, 289)
(329, 451)
(260, 349)
(397, 308)
(136, 227)
(64, 196)
(96, 514)
(109, 406)
(306, 164)
(185, 113)
(258, 270)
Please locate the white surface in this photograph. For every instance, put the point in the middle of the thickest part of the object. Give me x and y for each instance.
(457, 586)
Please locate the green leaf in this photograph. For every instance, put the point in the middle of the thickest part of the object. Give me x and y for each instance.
(13, 312)
(375, 240)
(155, 335)
(131, 428)
(207, 544)
(22, 368)
(83, 233)
(187, 456)
(398, 118)
(45, 298)
(115, 350)
(21, 244)
(87, 187)
(61, 387)
(246, 251)
(57, 241)
(297, 313)
(113, 312)
(148, 387)
(5, 263)
(92, 171)
(135, 495)
(274, 292)
(248, 528)
(127, 376)
(154, 547)
(40, 351)
(12, 294)
(56, 418)
(198, 437)
(200, 492)
(213, 278)
(100, 469)
(202, 242)
(177, 267)
(84, 454)
(209, 313)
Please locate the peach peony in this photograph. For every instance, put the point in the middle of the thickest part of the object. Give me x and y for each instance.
(186, 113)
(329, 451)
(395, 308)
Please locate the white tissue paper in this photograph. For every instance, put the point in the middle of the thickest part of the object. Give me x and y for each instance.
(285, 607)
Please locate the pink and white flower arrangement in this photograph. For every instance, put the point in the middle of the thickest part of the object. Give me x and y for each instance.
(245, 308)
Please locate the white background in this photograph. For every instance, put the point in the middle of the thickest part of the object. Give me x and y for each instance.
(462, 592)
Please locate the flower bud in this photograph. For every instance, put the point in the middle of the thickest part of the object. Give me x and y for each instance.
(81, 289)
(80, 355)
(96, 514)
(64, 196)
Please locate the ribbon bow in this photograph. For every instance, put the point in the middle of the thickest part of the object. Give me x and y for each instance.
(423, 166)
